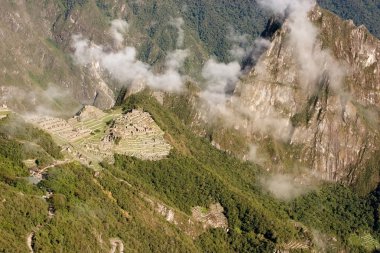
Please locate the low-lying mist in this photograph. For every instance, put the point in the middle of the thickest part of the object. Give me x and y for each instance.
(122, 63)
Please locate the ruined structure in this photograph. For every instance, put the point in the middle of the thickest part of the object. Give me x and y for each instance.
(213, 217)
(93, 135)
(136, 134)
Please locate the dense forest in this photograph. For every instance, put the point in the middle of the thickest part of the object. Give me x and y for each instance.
(363, 12)
(212, 24)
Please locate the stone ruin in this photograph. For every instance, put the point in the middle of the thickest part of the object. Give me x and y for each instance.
(213, 217)
(62, 128)
(136, 134)
(93, 136)
(89, 112)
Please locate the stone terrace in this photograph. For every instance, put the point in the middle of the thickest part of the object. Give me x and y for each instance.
(136, 134)
(93, 135)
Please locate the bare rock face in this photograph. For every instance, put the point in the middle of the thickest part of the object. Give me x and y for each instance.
(34, 58)
(327, 112)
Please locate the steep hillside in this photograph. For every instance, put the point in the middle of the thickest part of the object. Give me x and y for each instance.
(364, 12)
(37, 39)
(219, 142)
(313, 105)
(191, 201)
(39, 74)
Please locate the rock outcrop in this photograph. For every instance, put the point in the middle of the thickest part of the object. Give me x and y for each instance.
(327, 119)
(33, 61)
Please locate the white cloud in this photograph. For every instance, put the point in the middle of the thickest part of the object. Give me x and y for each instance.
(219, 76)
(124, 66)
(284, 187)
(241, 45)
(118, 29)
(287, 6)
(178, 23)
(313, 61)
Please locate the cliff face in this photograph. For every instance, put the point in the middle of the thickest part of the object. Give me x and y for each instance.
(34, 63)
(327, 114)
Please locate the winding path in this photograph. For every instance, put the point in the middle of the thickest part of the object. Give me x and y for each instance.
(115, 242)
(29, 241)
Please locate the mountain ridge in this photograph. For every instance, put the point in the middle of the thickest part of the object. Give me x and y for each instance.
(276, 151)
(60, 20)
(278, 75)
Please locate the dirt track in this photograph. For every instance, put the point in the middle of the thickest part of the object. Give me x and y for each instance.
(29, 240)
(116, 243)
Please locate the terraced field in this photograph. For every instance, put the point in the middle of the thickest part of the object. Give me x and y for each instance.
(94, 135)
(139, 136)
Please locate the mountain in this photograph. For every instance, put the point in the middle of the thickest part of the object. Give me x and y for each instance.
(365, 12)
(190, 201)
(38, 40)
(188, 126)
(323, 109)
(38, 66)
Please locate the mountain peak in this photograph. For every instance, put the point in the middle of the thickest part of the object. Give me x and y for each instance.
(321, 83)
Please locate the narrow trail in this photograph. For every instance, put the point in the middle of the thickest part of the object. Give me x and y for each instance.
(56, 163)
(39, 172)
(29, 242)
(116, 243)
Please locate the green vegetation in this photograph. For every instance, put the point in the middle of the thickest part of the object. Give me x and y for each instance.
(362, 12)
(365, 241)
(85, 213)
(69, 5)
(14, 127)
(213, 20)
(208, 23)
(21, 205)
(200, 175)
(342, 212)
(90, 208)
(338, 211)
(20, 212)
(333, 210)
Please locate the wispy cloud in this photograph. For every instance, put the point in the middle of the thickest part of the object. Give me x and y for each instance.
(178, 23)
(118, 29)
(122, 64)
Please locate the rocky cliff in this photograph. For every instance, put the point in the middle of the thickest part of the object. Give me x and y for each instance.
(37, 73)
(317, 100)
